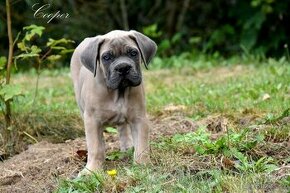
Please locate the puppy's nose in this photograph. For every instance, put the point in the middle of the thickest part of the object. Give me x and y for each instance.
(123, 69)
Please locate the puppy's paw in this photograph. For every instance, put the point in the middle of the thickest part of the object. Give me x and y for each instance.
(143, 159)
(126, 147)
(85, 172)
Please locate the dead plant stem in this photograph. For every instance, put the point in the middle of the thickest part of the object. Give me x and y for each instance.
(9, 64)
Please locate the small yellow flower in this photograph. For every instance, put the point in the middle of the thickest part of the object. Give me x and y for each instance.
(112, 173)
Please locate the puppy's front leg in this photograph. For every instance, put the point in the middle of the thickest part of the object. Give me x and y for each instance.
(140, 133)
(95, 144)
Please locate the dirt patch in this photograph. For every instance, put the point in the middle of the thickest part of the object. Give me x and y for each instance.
(168, 126)
(39, 167)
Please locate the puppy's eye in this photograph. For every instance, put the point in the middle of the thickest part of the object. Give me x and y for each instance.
(107, 57)
(133, 53)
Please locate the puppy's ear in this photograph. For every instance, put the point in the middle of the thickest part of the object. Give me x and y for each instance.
(146, 46)
(90, 55)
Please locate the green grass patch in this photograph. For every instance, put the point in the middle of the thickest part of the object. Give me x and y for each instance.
(83, 184)
(222, 90)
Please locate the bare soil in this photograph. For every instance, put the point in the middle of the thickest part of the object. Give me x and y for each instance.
(39, 167)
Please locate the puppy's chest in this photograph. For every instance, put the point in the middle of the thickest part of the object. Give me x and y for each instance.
(116, 114)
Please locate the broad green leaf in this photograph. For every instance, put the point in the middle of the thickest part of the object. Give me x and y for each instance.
(26, 55)
(53, 57)
(66, 51)
(52, 42)
(111, 130)
(58, 48)
(10, 91)
(35, 49)
(31, 27)
(28, 36)
(33, 30)
(21, 46)
(152, 31)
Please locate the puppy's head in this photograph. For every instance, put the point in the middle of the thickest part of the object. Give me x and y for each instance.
(118, 56)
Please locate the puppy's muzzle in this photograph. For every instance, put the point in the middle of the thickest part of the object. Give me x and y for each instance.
(123, 69)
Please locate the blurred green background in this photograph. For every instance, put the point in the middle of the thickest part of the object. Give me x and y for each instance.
(221, 27)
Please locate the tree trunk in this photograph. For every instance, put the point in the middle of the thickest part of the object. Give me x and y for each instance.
(171, 7)
(182, 14)
(124, 15)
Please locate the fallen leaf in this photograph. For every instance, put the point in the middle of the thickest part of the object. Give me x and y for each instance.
(227, 163)
(82, 154)
(189, 151)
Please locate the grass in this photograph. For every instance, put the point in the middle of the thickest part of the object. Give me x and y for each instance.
(242, 145)
(221, 90)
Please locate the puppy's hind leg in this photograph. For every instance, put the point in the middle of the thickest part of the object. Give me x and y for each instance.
(125, 137)
(140, 133)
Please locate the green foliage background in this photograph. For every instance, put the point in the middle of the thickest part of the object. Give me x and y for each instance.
(221, 26)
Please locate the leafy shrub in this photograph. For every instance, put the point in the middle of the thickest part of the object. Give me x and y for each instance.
(30, 52)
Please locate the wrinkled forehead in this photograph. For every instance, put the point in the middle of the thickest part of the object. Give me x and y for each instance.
(118, 45)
